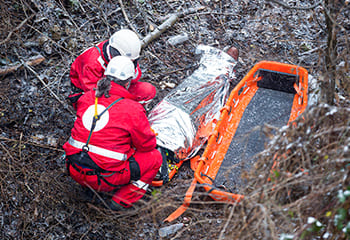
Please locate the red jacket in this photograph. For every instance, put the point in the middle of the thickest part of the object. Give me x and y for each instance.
(89, 67)
(125, 128)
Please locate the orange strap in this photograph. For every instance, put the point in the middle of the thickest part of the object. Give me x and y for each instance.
(154, 132)
(178, 212)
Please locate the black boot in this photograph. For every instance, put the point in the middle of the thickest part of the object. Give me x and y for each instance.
(115, 206)
(87, 195)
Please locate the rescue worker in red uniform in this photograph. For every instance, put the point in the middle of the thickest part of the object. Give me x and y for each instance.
(112, 147)
(89, 67)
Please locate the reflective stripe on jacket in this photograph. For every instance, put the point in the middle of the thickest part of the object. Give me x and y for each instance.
(98, 150)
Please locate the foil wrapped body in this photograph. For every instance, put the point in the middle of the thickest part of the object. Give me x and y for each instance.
(186, 116)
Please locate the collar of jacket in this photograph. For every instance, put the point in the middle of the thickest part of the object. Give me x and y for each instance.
(116, 89)
(105, 54)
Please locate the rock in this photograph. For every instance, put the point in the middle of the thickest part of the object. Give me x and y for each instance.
(169, 230)
(175, 40)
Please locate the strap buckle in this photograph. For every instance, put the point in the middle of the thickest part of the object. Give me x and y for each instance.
(85, 148)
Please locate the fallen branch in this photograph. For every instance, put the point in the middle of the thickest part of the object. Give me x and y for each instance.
(31, 62)
(167, 24)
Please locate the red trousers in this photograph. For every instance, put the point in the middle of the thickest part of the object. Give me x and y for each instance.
(143, 91)
(127, 191)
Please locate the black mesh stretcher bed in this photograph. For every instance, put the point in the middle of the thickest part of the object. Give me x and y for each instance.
(270, 96)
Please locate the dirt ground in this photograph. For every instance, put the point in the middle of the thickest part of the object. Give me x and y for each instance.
(37, 198)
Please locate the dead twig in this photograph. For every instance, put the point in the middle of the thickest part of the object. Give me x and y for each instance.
(53, 41)
(31, 62)
(102, 15)
(20, 146)
(69, 16)
(127, 18)
(283, 4)
(157, 58)
(30, 143)
(222, 232)
(16, 29)
(142, 12)
(53, 94)
(8, 153)
(11, 159)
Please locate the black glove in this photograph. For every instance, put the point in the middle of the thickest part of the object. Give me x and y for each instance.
(164, 174)
(170, 155)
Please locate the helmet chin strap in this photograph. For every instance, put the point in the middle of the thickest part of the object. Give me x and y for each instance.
(127, 85)
(109, 51)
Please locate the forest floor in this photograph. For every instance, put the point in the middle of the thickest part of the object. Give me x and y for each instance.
(39, 201)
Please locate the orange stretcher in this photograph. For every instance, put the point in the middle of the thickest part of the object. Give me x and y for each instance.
(271, 95)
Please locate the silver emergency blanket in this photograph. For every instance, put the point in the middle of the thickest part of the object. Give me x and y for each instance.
(182, 119)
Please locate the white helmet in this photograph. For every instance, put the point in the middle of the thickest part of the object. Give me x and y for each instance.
(120, 67)
(127, 43)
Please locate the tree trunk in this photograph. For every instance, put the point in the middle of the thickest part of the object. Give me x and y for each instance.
(328, 86)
